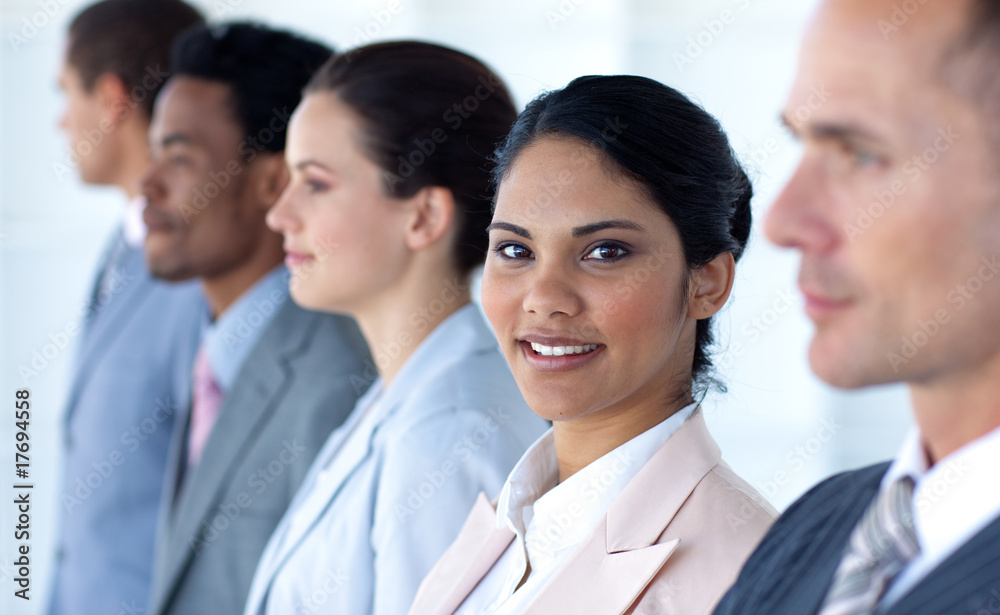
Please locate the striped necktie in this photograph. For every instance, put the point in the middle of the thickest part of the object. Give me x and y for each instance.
(881, 545)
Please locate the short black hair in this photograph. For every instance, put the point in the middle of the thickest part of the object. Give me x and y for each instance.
(130, 39)
(671, 148)
(432, 116)
(266, 70)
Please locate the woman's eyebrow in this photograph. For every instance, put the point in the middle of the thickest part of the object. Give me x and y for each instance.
(588, 229)
(507, 226)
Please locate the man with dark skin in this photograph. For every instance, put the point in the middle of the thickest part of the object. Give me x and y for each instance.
(271, 380)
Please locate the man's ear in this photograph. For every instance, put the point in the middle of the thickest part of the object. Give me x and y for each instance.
(269, 178)
(432, 213)
(710, 286)
(113, 96)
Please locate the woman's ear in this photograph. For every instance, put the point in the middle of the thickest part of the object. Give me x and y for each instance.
(432, 213)
(710, 286)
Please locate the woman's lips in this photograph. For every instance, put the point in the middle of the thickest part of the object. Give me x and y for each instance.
(297, 259)
(559, 356)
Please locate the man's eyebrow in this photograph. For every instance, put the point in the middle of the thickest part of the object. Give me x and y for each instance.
(829, 131)
(507, 226)
(589, 229)
(176, 138)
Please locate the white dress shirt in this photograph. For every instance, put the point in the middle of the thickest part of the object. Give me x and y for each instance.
(549, 520)
(952, 502)
(391, 487)
(133, 227)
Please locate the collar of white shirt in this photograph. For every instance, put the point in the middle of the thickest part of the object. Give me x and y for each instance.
(952, 501)
(549, 519)
(133, 226)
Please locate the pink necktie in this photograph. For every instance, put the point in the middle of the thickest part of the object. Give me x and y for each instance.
(205, 402)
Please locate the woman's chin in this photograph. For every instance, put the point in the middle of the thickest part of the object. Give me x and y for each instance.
(306, 297)
(555, 409)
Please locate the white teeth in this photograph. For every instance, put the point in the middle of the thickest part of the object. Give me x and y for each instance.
(558, 351)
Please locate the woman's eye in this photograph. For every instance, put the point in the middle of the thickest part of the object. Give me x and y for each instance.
(314, 186)
(512, 251)
(606, 252)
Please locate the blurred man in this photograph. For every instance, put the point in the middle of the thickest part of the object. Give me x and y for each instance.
(137, 345)
(271, 380)
(895, 208)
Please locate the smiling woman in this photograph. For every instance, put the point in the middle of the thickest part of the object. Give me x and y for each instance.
(610, 251)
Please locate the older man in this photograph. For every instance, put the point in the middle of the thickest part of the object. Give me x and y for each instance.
(895, 209)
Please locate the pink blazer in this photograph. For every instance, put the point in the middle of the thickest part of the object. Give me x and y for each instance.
(672, 542)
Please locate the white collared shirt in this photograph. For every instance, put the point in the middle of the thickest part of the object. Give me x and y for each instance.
(133, 227)
(549, 520)
(952, 502)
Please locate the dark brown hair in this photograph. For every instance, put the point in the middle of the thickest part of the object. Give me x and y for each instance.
(431, 116)
(130, 39)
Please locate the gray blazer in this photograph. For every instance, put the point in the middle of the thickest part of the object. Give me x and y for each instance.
(298, 384)
(133, 370)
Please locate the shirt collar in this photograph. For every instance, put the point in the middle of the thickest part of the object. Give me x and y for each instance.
(229, 340)
(956, 497)
(133, 227)
(550, 517)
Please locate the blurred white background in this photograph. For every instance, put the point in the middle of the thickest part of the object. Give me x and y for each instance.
(778, 425)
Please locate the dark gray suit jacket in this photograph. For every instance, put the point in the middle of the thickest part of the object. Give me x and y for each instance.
(791, 570)
(298, 384)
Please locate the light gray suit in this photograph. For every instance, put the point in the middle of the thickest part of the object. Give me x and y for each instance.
(299, 383)
(132, 374)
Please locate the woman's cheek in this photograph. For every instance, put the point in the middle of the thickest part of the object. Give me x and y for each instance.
(494, 294)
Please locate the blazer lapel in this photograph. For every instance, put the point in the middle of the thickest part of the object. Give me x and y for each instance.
(478, 547)
(340, 457)
(111, 319)
(815, 554)
(335, 468)
(968, 582)
(624, 548)
(255, 395)
(619, 579)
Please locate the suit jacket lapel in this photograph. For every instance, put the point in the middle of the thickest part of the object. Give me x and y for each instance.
(335, 466)
(111, 318)
(815, 552)
(624, 546)
(479, 545)
(620, 579)
(966, 582)
(255, 395)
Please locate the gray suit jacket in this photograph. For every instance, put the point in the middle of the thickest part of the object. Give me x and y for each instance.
(298, 384)
(791, 570)
(132, 373)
